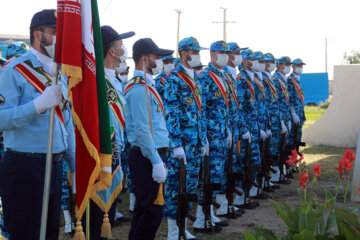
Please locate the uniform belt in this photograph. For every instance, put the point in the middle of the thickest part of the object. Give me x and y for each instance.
(163, 150)
(56, 157)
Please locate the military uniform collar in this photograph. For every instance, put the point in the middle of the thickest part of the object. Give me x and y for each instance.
(250, 74)
(212, 68)
(148, 76)
(40, 60)
(188, 70)
(259, 74)
(268, 74)
(295, 76)
(232, 70)
(283, 76)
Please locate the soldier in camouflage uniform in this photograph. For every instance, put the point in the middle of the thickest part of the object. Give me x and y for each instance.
(296, 98)
(238, 121)
(185, 121)
(279, 78)
(263, 117)
(169, 65)
(272, 106)
(217, 108)
(246, 98)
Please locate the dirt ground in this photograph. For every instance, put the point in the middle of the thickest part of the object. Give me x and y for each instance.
(265, 214)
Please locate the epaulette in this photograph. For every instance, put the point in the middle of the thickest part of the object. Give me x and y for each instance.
(138, 80)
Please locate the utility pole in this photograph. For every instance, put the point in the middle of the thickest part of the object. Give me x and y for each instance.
(326, 56)
(224, 22)
(179, 12)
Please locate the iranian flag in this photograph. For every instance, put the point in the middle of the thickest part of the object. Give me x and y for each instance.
(79, 54)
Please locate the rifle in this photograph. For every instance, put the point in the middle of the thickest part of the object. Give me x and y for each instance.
(284, 149)
(207, 195)
(268, 164)
(230, 184)
(248, 181)
(298, 143)
(183, 201)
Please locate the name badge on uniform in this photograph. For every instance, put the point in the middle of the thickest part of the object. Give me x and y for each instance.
(218, 94)
(158, 108)
(189, 100)
(112, 96)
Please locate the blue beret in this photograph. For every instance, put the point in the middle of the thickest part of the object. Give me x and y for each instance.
(170, 57)
(259, 56)
(189, 43)
(147, 45)
(283, 60)
(45, 17)
(269, 57)
(16, 49)
(109, 35)
(248, 54)
(219, 46)
(298, 61)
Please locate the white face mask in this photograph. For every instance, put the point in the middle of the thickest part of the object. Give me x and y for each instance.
(158, 68)
(222, 60)
(122, 67)
(198, 72)
(195, 61)
(124, 78)
(50, 49)
(298, 70)
(254, 65)
(287, 70)
(124, 56)
(272, 67)
(237, 61)
(169, 67)
(261, 67)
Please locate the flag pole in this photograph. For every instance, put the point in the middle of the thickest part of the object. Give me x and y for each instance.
(156, 202)
(45, 204)
(88, 220)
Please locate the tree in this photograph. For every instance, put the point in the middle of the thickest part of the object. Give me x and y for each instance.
(352, 58)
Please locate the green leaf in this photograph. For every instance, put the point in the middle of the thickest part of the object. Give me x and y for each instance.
(307, 219)
(282, 214)
(293, 216)
(248, 236)
(304, 235)
(348, 224)
(331, 221)
(266, 233)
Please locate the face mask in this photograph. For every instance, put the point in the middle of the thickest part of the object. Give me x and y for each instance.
(272, 67)
(169, 67)
(261, 67)
(237, 61)
(298, 70)
(287, 70)
(50, 49)
(124, 78)
(222, 60)
(122, 67)
(195, 61)
(124, 56)
(158, 68)
(254, 65)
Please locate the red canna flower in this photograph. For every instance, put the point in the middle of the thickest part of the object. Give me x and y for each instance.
(350, 155)
(293, 159)
(317, 171)
(303, 180)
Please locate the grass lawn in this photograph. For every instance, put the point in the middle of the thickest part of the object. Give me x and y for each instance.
(312, 115)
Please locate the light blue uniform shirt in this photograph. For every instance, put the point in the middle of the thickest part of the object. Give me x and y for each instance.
(138, 123)
(24, 129)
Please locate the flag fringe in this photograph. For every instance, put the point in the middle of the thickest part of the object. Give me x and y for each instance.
(106, 227)
(160, 201)
(79, 233)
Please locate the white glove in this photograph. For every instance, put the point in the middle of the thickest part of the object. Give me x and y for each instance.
(283, 128)
(205, 149)
(268, 133)
(180, 154)
(247, 136)
(229, 139)
(74, 183)
(50, 98)
(295, 117)
(289, 126)
(262, 135)
(159, 172)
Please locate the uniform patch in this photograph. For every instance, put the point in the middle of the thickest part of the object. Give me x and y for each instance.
(218, 94)
(112, 96)
(137, 80)
(2, 100)
(227, 94)
(197, 91)
(189, 100)
(158, 108)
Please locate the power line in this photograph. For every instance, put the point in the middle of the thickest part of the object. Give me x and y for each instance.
(224, 22)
